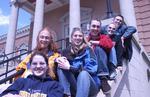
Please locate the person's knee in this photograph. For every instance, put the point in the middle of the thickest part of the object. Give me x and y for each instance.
(83, 75)
(97, 48)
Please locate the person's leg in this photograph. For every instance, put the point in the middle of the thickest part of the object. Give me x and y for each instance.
(102, 61)
(64, 79)
(128, 48)
(113, 57)
(86, 86)
(112, 64)
(119, 52)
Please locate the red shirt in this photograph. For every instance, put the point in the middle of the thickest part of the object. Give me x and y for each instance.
(104, 41)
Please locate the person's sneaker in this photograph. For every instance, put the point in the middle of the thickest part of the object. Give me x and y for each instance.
(105, 86)
(113, 75)
(120, 68)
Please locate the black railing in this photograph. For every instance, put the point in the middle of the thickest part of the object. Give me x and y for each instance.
(7, 61)
(10, 78)
(2, 57)
(62, 43)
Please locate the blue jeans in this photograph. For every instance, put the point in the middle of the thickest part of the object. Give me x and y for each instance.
(82, 86)
(102, 61)
(113, 57)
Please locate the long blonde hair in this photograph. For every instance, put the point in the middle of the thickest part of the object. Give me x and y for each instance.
(75, 49)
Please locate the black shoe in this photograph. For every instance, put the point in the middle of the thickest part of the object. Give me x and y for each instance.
(105, 86)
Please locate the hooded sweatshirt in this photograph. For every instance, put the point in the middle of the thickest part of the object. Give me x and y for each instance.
(34, 86)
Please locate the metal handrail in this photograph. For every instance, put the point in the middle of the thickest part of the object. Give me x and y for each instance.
(7, 61)
(12, 52)
(7, 72)
(9, 78)
(10, 59)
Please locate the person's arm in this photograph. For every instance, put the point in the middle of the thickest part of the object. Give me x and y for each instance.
(14, 88)
(90, 62)
(23, 67)
(129, 31)
(56, 90)
(23, 64)
(52, 66)
(93, 42)
(105, 42)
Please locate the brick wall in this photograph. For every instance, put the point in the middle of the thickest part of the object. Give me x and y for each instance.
(142, 11)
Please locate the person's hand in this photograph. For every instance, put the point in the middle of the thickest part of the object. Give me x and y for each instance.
(122, 40)
(94, 42)
(11, 95)
(63, 63)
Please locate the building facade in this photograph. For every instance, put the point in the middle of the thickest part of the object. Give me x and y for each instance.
(61, 15)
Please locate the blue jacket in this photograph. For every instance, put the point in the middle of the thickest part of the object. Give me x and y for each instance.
(35, 87)
(84, 60)
(122, 30)
(125, 31)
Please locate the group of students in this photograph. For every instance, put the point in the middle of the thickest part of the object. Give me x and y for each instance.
(81, 69)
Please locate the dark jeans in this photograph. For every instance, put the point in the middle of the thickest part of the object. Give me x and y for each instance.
(102, 61)
(119, 52)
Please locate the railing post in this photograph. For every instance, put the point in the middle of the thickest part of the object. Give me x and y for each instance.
(6, 65)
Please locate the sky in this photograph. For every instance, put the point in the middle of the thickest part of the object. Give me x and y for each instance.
(5, 10)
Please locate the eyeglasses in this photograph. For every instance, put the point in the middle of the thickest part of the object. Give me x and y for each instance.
(95, 26)
(112, 28)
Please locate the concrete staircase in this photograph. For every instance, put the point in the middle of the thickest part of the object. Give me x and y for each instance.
(114, 83)
(134, 80)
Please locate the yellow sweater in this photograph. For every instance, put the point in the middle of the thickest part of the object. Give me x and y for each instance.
(51, 70)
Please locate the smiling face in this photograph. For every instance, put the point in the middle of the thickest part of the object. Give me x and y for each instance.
(118, 20)
(77, 38)
(39, 66)
(95, 27)
(44, 39)
(111, 28)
